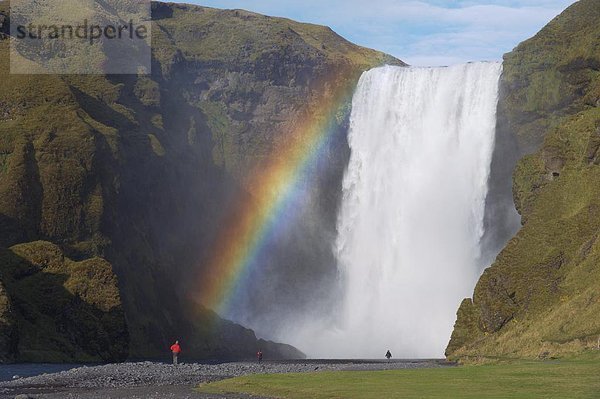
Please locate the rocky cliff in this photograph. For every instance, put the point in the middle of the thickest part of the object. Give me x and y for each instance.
(541, 296)
(121, 182)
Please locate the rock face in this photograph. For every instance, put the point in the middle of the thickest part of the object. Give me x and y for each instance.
(541, 296)
(8, 334)
(130, 177)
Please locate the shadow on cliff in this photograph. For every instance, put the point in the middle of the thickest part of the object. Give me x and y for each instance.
(43, 321)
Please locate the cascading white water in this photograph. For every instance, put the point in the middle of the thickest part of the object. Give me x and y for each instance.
(411, 219)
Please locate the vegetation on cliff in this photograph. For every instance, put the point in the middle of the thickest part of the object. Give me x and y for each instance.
(61, 310)
(541, 297)
(133, 174)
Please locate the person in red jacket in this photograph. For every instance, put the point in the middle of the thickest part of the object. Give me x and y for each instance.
(176, 349)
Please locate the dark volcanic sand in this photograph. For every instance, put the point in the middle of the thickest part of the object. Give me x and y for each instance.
(159, 380)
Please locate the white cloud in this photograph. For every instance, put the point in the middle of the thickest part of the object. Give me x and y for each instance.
(430, 32)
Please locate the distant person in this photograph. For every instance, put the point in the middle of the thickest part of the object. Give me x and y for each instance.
(259, 356)
(176, 350)
(388, 355)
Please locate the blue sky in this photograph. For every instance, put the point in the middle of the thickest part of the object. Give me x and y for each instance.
(432, 32)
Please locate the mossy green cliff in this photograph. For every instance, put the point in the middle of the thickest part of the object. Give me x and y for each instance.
(541, 296)
(118, 180)
(60, 310)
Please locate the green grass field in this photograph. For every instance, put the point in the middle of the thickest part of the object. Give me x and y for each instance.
(524, 379)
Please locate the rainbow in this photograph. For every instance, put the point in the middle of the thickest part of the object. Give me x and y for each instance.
(276, 186)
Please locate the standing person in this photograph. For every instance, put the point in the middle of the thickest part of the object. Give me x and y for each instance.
(388, 355)
(259, 356)
(176, 350)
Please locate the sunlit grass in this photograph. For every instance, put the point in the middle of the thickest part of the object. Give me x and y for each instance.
(551, 379)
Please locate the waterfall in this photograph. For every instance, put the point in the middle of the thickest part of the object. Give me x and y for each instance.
(411, 218)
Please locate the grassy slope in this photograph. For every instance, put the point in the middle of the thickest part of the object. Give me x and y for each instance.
(553, 74)
(211, 34)
(541, 296)
(556, 379)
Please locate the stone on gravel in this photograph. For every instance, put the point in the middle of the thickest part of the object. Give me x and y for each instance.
(149, 375)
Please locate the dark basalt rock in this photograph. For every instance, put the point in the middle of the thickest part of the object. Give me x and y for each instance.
(4, 24)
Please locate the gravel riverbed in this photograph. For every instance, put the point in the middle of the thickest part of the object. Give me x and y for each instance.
(159, 380)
